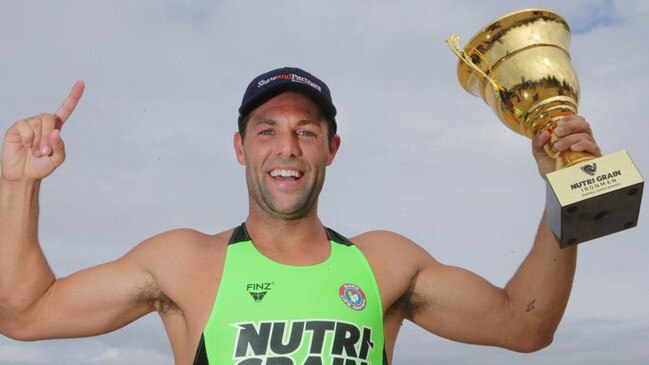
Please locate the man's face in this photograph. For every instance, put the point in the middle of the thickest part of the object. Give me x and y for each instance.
(286, 151)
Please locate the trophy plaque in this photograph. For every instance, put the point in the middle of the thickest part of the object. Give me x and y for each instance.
(520, 66)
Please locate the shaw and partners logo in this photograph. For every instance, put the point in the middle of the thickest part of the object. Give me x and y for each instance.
(291, 77)
(323, 342)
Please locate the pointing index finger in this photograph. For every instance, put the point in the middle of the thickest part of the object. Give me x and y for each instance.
(70, 102)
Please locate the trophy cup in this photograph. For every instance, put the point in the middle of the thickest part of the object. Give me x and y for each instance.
(520, 66)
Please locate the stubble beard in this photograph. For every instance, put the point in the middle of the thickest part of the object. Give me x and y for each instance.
(303, 205)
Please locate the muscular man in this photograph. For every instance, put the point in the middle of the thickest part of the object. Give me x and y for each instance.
(281, 288)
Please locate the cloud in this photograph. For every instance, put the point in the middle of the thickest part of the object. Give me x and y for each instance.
(13, 354)
(110, 354)
(117, 356)
(595, 15)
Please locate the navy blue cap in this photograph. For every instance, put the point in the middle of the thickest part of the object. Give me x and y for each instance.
(265, 86)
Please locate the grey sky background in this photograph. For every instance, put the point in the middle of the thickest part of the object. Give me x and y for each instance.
(150, 146)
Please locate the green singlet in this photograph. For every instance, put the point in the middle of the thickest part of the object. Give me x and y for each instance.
(267, 313)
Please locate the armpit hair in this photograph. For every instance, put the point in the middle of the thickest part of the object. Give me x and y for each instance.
(154, 298)
(408, 304)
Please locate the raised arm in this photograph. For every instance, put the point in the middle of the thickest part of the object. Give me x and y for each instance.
(459, 305)
(33, 304)
(522, 316)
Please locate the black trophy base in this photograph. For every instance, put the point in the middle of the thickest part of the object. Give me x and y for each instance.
(594, 217)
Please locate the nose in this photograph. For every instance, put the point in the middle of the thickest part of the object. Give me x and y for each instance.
(288, 144)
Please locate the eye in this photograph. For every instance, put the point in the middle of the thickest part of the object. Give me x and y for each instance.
(267, 132)
(306, 133)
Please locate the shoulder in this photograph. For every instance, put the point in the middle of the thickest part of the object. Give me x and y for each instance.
(390, 245)
(180, 263)
(183, 238)
(178, 244)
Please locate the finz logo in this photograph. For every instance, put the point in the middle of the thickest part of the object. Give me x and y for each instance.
(353, 296)
(590, 169)
(258, 290)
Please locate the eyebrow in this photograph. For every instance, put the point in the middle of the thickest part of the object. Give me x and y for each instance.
(265, 121)
(272, 122)
(308, 122)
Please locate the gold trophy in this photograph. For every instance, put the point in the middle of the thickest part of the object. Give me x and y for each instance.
(520, 66)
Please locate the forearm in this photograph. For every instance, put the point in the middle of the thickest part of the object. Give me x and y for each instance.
(24, 272)
(539, 291)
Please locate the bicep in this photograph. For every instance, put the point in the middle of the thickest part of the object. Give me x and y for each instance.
(459, 305)
(90, 302)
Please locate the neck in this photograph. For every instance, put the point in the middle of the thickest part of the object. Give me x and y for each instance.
(299, 241)
(284, 231)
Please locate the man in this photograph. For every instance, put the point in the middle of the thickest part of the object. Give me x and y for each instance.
(281, 288)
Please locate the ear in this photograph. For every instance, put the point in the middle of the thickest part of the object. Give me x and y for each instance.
(333, 149)
(238, 148)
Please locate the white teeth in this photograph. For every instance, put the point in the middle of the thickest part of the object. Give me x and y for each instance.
(285, 173)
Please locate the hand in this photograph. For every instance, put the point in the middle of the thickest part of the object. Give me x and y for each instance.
(33, 147)
(573, 133)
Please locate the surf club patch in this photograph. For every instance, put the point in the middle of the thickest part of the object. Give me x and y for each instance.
(353, 296)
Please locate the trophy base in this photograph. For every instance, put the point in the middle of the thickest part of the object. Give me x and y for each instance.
(594, 198)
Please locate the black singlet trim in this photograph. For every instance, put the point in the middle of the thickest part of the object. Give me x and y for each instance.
(338, 238)
(201, 353)
(240, 234)
(385, 354)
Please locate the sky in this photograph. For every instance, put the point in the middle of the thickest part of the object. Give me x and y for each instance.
(149, 147)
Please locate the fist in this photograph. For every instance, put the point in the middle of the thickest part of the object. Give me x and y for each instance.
(572, 133)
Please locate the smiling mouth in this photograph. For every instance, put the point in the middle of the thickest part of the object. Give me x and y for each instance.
(285, 174)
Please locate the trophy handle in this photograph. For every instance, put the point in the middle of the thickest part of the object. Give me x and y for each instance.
(454, 43)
